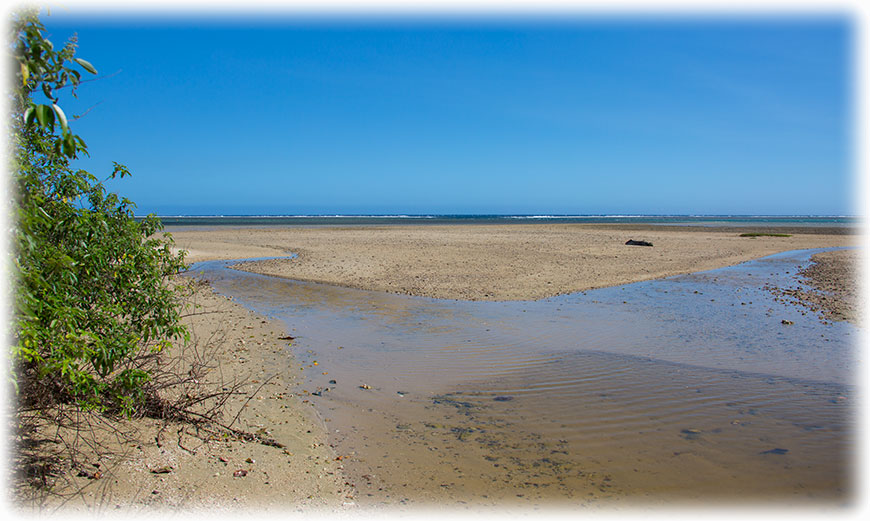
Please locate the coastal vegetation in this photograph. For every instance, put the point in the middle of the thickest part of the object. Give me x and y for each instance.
(92, 305)
(98, 334)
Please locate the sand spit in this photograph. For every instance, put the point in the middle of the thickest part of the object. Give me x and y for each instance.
(491, 262)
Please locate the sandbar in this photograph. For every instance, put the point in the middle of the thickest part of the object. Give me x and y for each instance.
(492, 262)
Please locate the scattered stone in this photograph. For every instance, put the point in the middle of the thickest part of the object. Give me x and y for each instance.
(90, 475)
(333, 382)
(365, 386)
(240, 473)
(166, 469)
(461, 432)
(829, 287)
(632, 242)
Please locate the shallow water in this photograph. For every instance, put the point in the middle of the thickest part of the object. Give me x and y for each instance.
(688, 388)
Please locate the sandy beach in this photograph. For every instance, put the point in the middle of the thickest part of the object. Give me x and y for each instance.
(482, 265)
(180, 471)
(491, 262)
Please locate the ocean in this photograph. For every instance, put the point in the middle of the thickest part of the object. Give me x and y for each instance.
(350, 220)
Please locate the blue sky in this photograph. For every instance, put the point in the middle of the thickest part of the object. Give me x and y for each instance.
(257, 115)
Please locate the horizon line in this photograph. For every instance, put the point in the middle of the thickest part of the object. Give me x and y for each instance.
(505, 215)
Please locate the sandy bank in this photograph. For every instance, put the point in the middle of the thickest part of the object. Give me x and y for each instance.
(145, 465)
(490, 262)
(830, 287)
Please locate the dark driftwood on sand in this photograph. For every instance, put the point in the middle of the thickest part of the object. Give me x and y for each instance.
(632, 242)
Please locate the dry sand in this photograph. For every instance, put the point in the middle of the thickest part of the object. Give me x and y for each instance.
(191, 473)
(489, 262)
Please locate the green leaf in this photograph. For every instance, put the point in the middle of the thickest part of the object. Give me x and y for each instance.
(61, 117)
(45, 116)
(29, 114)
(86, 65)
(69, 145)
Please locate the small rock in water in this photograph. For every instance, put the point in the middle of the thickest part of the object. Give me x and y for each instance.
(774, 451)
(787, 322)
(503, 398)
(691, 434)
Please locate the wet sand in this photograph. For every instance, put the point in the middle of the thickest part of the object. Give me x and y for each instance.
(491, 262)
(833, 286)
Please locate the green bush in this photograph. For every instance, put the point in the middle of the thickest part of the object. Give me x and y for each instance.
(92, 303)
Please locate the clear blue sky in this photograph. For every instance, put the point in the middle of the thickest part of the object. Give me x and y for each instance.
(250, 115)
